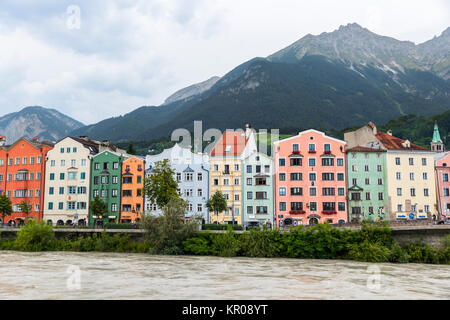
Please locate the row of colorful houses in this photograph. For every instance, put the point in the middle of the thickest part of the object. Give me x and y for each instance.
(305, 179)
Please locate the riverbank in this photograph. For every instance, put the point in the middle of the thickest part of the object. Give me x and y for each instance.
(369, 244)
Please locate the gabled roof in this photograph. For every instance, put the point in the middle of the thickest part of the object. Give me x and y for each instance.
(364, 149)
(188, 169)
(35, 144)
(394, 143)
(231, 143)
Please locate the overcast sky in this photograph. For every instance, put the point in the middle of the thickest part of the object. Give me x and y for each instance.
(123, 54)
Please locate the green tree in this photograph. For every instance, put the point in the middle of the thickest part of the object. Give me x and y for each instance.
(98, 207)
(5, 207)
(160, 187)
(130, 148)
(217, 203)
(167, 232)
(25, 207)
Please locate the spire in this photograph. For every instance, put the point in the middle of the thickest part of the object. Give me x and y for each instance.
(436, 135)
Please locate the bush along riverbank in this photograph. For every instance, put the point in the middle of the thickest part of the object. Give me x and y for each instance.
(370, 244)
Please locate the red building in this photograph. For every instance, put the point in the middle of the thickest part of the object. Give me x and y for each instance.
(22, 172)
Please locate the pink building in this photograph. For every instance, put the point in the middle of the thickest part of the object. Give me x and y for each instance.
(310, 179)
(442, 167)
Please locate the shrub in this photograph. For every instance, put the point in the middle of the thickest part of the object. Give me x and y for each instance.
(398, 255)
(214, 226)
(225, 244)
(255, 243)
(369, 252)
(422, 253)
(198, 245)
(35, 236)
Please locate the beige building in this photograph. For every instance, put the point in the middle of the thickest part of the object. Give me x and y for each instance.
(410, 172)
(226, 172)
(67, 180)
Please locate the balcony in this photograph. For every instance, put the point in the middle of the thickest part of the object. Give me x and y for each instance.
(226, 172)
(311, 151)
(296, 152)
(327, 152)
(293, 212)
(329, 212)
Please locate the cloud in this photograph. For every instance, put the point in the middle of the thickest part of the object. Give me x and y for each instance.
(132, 53)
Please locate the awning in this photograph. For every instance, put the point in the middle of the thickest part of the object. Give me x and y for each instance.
(112, 217)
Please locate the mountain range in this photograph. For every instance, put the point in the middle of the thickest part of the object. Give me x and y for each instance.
(37, 122)
(329, 81)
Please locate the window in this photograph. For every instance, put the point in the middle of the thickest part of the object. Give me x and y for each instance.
(216, 167)
(81, 190)
(313, 191)
(411, 176)
(354, 168)
(249, 209)
(445, 177)
(341, 206)
(296, 206)
(426, 192)
(216, 182)
(50, 206)
(226, 182)
(340, 162)
(380, 181)
(267, 168)
(261, 195)
(199, 207)
(249, 181)
(399, 191)
(366, 168)
(312, 162)
(61, 176)
(61, 150)
(236, 167)
(114, 207)
(355, 196)
(70, 205)
(380, 196)
(426, 208)
(425, 176)
(312, 147)
(71, 176)
(399, 207)
(413, 192)
(188, 192)
(379, 168)
(341, 191)
(52, 163)
(327, 176)
(282, 191)
(199, 176)
(63, 163)
(83, 175)
(282, 206)
(424, 161)
(51, 190)
(73, 162)
(327, 162)
(83, 162)
(446, 192)
(313, 206)
(249, 195)
(367, 195)
(282, 176)
(398, 175)
(367, 181)
(328, 191)
(329, 206)
(340, 176)
(178, 176)
(397, 161)
(354, 181)
(258, 169)
(296, 162)
(188, 176)
(52, 176)
(61, 190)
(411, 161)
(295, 147)
(296, 176)
(71, 190)
(115, 165)
(312, 176)
(296, 191)
(96, 166)
(282, 162)
(199, 192)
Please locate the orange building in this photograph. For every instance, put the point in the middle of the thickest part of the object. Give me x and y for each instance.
(132, 196)
(22, 172)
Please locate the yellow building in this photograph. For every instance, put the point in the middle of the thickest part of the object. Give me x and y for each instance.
(226, 172)
(410, 173)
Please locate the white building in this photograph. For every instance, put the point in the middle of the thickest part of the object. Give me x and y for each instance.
(192, 175)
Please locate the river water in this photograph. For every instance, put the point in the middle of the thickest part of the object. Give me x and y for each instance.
(73, 275)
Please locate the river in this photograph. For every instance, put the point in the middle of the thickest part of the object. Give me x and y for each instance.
(77, 275)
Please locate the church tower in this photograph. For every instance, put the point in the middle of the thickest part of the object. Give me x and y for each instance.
(436, 144)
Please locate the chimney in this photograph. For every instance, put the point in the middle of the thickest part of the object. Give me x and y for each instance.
(389, 132)
(35, 139)
(2, 141)
(105, 143)
(84, 138)
(373, 126)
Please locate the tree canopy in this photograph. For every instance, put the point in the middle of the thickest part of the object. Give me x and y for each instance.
(160, 186)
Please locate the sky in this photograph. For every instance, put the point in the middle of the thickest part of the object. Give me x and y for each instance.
(97, 59)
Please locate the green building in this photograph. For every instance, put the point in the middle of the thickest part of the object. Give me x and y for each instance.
(257, 190)
(367, 185)
(106, 184)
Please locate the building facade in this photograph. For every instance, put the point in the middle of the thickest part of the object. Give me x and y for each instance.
(132, 197)
(106, 178)
(257, 190)
(367, 185)
(226, 160)
(191, 173)
(22, 172)
(410, 173)
(310, 179)
(67, 186)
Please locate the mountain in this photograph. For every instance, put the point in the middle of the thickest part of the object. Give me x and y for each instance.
(331, 81)
(193, 90)
(37, 122)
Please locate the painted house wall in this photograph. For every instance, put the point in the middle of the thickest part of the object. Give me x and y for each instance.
(77, 162)
(185, 163)
(230, 185)
(406, 184)
(23, 178)
(283, 151)
(442, 168)
(357, 164)
(132, 206)
(250, 214)
(107, 165)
